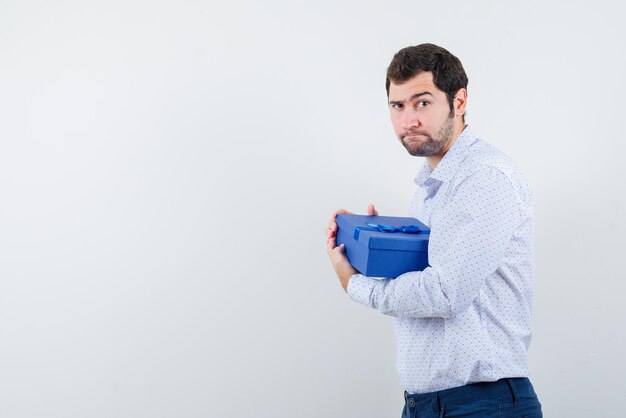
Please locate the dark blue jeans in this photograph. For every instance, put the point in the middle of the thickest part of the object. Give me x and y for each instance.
(506, 398)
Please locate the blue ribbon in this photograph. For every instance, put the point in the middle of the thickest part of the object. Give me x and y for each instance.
(408, 229)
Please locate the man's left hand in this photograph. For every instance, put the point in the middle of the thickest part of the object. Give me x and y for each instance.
(340, 262)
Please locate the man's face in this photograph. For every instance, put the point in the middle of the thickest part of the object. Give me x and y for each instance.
(421, 115)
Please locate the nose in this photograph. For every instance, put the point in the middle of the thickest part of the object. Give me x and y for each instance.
(409, 119)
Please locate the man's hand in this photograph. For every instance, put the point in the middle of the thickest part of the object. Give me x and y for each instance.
(336, 254)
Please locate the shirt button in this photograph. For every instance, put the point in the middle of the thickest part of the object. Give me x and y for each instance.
(411, 402)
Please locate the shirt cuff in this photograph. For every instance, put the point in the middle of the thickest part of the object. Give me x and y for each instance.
(360, 289)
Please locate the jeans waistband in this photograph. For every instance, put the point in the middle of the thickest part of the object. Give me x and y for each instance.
(503, 388)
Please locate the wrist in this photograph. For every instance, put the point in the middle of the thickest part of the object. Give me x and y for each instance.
(345, 281)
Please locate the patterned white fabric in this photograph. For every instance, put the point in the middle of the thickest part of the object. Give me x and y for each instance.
(467, 317)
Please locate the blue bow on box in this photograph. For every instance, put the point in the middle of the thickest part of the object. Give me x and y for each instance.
(408, 229)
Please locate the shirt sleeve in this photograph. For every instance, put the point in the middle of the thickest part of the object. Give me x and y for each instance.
(469, 239)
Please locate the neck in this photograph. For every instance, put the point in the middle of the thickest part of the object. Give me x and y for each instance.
(433, 160)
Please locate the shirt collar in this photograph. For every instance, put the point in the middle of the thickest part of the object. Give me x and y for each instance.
(448, 165)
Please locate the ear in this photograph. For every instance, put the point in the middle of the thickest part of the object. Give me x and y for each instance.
(460, 101)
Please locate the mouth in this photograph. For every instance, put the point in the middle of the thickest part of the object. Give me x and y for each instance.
(414, 136)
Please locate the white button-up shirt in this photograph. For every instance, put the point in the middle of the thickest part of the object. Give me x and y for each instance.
(467, 317)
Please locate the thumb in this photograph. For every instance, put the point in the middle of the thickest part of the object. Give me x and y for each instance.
(371, 210)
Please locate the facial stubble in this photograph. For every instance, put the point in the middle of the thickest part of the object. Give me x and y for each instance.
(431, 145)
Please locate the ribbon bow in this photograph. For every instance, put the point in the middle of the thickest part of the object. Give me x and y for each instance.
(408, 229)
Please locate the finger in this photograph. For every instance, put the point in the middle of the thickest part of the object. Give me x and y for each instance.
(340, 212)
(339, 251)
(332, 224)
(331, 243)
(371, 210)
(332, 228)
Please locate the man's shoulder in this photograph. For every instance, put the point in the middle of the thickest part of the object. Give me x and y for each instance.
(484, 163)
(482, 156)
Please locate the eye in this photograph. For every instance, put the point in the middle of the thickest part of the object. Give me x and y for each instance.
(397, 106)
(422, 103)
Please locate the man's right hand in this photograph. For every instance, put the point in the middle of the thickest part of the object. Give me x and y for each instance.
(332, 224)
(337, 254)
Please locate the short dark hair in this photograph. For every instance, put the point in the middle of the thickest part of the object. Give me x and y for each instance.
(448, 73)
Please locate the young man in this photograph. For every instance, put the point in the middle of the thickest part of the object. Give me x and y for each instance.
(462, 324)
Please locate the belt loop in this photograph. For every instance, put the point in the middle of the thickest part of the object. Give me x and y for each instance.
(512, 387)
(440, 408)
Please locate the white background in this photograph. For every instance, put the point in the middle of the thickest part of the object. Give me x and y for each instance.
(167, 170)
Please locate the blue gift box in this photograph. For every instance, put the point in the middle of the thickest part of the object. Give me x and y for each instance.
(384, 246)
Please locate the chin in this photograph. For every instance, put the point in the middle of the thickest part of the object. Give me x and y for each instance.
(415, 152)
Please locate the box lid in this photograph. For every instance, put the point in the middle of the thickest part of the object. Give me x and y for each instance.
(372, 238)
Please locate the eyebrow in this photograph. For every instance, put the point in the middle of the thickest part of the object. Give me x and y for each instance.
(415, 96)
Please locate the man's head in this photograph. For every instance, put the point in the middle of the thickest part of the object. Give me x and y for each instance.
(427, 92)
